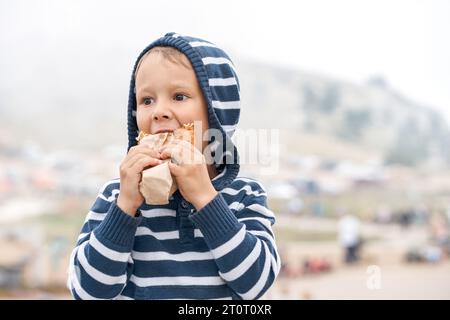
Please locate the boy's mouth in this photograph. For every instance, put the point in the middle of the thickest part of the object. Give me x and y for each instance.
(163, 130)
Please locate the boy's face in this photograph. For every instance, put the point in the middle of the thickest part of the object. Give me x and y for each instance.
(168, 95)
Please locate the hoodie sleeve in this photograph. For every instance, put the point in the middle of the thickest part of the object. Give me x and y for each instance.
(242, 243)
(101, 263)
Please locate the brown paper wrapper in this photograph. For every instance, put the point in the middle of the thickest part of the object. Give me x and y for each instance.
(157, 184)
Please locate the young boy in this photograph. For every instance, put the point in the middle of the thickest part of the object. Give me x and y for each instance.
(214, 238)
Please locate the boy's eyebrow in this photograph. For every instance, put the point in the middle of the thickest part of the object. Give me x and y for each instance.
(172, 85)
(182, 84)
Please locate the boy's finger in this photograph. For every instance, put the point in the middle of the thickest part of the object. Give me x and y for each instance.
(151, 152)
(138, 157)
(175, 154)
(130, 160)
(182, 154)
(143, 151)
(181, 146)
(175, 169)
(136, 149)
(168, 152)
(142, 148)
(139, 165)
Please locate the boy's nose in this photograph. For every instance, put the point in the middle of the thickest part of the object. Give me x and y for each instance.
(160, 113)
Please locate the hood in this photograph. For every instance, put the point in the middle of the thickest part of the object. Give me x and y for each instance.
(219, 83)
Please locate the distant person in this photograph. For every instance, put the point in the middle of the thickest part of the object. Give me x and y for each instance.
(406, 218)
(214, 237)
(349, 237)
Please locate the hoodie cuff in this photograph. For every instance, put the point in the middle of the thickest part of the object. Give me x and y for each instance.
(118, 228)
(215, 220)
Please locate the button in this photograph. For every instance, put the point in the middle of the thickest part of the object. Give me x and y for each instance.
(184, 204)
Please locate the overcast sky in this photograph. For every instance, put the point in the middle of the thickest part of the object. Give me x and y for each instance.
(407, 42)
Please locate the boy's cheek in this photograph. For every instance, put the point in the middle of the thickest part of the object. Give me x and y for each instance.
(143, 122)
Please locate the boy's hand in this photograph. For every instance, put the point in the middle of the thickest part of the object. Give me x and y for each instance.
(138, 158)
(188, 167)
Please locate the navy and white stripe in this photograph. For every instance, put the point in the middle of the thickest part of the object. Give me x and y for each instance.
(226, 251)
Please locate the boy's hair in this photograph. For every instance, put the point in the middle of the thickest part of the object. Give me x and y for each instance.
(168, 53)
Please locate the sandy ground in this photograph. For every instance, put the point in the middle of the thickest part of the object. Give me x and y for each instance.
(382, 273)
(396, 282)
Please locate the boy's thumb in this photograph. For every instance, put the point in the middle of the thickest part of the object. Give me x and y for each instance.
(174, 168)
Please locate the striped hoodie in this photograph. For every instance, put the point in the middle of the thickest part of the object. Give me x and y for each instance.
(226, 250)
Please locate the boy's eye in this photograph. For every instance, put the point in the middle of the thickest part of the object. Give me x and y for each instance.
(147, 101)
(180, 97)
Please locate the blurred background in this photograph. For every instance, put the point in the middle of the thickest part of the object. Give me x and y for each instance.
(358, 91)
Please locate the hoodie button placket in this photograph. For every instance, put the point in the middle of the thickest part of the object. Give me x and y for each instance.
(186, 226)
